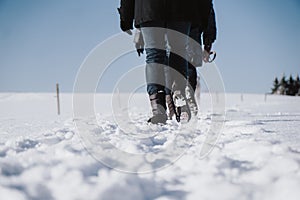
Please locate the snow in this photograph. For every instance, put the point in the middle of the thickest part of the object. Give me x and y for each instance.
(43, 156)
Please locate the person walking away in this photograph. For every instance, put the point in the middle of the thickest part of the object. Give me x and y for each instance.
(208, 34)
(176, 15)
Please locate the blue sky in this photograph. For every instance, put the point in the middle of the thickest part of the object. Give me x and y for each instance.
(45, 41)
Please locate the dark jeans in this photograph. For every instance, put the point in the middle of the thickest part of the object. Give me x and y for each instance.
(192, 77)
(161, 61)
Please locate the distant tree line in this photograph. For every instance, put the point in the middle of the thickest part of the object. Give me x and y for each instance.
(285, 86)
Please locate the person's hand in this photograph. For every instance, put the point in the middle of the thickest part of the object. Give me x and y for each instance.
(206, 53)
(139, 42)
(139, 49)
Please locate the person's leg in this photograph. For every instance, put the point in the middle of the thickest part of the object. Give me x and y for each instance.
(192, 78)
(156, 58)
(195, 60)
(179, 66)
(178, 53)
(168, 87)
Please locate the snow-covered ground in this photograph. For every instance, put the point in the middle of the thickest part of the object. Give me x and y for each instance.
(257, 155)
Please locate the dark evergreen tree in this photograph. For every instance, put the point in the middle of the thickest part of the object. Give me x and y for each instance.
(275, 86)
(283, 85)
(290, 89)
(297, 85)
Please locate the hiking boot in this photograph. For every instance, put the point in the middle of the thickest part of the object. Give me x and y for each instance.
(158, 105)
(171, 106)
(183, 113)
(190, 96)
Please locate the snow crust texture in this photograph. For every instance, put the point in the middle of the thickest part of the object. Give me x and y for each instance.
(257, 155)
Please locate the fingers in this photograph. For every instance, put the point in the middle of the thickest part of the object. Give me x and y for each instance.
(129, 32)
(214, 55)
(205, 56)
(140, 51)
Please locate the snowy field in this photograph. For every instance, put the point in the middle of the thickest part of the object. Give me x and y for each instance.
(257, 155)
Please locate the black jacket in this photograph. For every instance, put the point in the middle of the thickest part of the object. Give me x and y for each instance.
(139, 11)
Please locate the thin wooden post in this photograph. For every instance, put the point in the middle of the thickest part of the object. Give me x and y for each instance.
(57, 96)
(266, 95)
(119, 98)
(217, 97)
